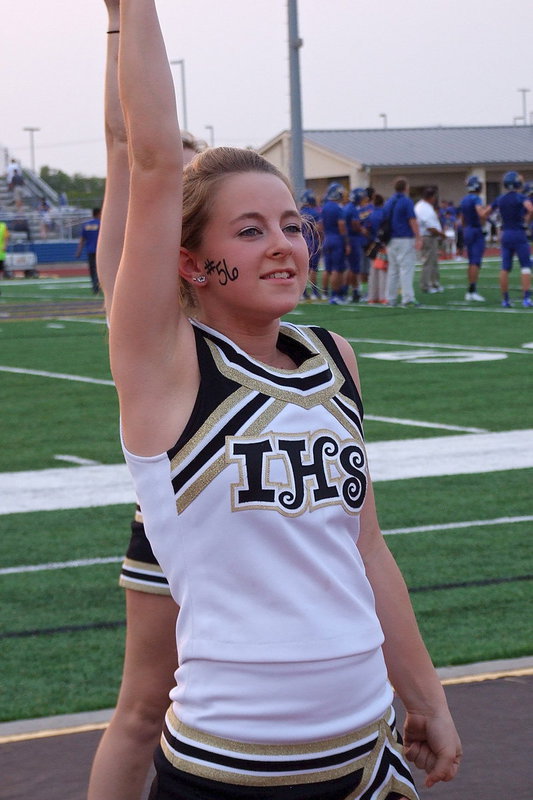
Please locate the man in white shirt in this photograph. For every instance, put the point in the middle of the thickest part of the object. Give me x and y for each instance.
(431, 232)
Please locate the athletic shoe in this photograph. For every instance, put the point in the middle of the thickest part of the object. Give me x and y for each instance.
(474, 296)
(431, 290)
(527, 302)
(410, 304)
(506, 304)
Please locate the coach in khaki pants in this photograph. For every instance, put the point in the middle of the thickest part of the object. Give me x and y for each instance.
(401, 250)
(431, 233)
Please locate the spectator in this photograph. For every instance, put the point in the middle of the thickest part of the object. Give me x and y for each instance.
(431, 233)
(312, 217)
(13, 167)
(45, 219)
(334, 245)
(377, 277)
(401, 250)
(89, 240)
(16, 185)
(4, 236)
(354, 231)
(473, 215)
(515, 212)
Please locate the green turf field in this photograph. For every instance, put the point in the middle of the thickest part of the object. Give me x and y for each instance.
(448, 368)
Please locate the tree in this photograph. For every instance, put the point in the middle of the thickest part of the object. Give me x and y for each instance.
(81, 190)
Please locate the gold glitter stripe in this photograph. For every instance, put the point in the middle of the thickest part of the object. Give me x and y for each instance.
(206, 429)
(207, 475)
(132, 564)
(147, 588)
(244, 779)
(311, 398)
(344, 420)
(248, 748)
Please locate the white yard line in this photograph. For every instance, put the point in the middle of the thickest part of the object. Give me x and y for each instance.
(91, 562)
(57, 375)
(439, 345)
(418, 424)
(446, 526)
(110, 484)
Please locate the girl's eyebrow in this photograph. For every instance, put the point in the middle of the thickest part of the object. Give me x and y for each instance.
(292, 212)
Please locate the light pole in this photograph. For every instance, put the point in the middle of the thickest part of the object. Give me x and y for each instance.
(211, 130)
(181, 63)
(524, 112)
(384, 118)
(31, 131)
(297, 147)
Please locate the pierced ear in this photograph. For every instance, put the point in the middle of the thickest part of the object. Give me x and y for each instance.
(189, 267)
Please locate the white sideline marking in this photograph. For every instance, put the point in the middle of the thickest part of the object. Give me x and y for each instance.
(110, 484)
(90, 562)
(82, 562)
(446, 526)
(394, 420)
(58, 375)
(80, 462)
(473, 348)
(418, 424)
(451, 455)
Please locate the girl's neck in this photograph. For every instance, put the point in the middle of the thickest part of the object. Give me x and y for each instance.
(258, 341)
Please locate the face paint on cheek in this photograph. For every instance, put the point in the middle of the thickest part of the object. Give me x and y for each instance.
(225, 275)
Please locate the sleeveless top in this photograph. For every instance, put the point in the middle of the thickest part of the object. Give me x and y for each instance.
(253, 516)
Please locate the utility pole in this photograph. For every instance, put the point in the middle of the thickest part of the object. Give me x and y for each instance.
(297, 150)
(181, 64)
(31, 131)
(524, 112)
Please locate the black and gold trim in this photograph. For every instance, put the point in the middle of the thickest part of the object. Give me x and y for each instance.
(374, 755)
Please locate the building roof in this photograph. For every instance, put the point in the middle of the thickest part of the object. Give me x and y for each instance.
(394, 147)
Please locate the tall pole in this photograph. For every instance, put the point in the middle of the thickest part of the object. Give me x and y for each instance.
(32, 131)
(211, 130)
(524, 111)
(384, 118)
(297, 150)
(181, 63)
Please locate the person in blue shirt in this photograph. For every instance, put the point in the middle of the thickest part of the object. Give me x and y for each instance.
(89, 240)
(313, 236)
(334, 245)
(515, 211)
(353, 231)
(401, 250)
(473, 214)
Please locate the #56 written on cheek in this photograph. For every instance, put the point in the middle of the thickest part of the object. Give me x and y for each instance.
(225, 275)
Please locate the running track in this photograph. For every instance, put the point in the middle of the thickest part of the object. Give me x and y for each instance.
(492, 713)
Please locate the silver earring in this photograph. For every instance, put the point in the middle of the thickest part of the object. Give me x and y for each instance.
(200, 279)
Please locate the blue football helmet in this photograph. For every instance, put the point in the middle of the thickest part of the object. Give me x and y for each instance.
(335, 192)
(512, 180)
(357, 195)
(473, 184)
(308, 198)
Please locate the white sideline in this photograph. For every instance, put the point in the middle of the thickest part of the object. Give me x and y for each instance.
(109, 484)
(91, 562)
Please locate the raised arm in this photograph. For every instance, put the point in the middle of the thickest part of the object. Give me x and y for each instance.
(150, 340)
(115, 205)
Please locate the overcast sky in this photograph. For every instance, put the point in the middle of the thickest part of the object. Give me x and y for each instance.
(420, 62)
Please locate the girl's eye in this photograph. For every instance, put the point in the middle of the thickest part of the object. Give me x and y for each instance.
(250, 232)
(294, 227)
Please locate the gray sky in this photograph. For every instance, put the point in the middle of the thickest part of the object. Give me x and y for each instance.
(421, 62)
